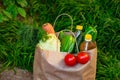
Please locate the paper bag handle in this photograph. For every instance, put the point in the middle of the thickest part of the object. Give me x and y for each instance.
(65, 14)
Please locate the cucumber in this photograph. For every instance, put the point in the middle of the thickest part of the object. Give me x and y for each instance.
(67, 42)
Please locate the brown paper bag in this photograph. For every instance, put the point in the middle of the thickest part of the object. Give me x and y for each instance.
(49, 65)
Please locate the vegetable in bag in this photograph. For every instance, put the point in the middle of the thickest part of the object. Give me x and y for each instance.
(52, 43)
(67, 42)
(92, 31)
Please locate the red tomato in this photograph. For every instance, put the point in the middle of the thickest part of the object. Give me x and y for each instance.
(70, 60)
(83, 57)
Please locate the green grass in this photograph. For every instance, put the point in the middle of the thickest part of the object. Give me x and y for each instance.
(19, 35)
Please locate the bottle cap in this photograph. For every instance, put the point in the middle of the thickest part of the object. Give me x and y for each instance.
(79, 27)
(88, 37)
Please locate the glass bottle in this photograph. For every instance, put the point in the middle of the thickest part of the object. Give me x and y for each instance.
(87, 44)
(79, 34)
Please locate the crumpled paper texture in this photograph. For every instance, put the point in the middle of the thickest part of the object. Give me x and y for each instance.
(49, 65)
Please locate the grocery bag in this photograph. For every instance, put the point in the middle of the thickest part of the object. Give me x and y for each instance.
(49, 65)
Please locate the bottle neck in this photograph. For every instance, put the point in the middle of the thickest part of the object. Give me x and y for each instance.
(86, 45)
(78, 33)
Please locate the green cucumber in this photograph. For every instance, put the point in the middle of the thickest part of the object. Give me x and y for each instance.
(67, 42)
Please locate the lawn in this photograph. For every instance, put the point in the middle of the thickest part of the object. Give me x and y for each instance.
(20, 30)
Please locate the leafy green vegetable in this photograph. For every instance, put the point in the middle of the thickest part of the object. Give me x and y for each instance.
(92, 31)
(52, 43)
(103, 13)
